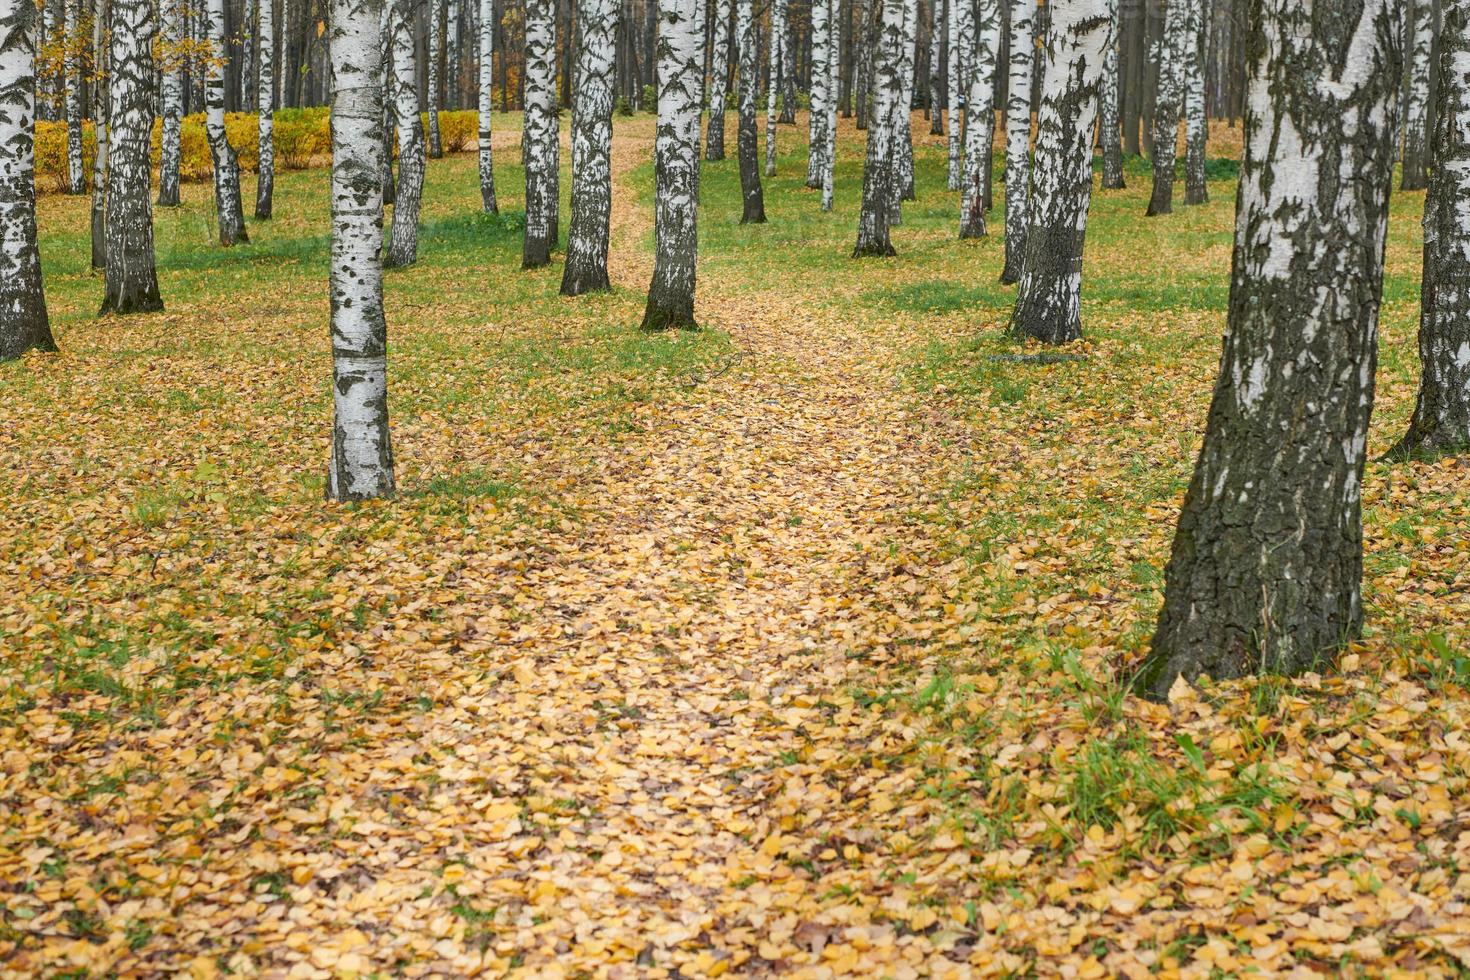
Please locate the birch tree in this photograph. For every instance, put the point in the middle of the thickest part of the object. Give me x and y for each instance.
(540, 144)
(1109, 131)
(76, 176)
(265, 178)
(24, 324)
(1266, 570)
(1049, 301)
(361, 463)
(829, 152)
(390, 106)
(980, 117)
(879, 190)
(451, 54)
(961, 28)
(435, 11)
(863, 46)
(1166, 106)
(1196, 126)
(403, 241)
(486, 103)
(227, 200)
(676, 162)
(776, 52)
(99, 160)
(822, 53)
(936, 63)
(714, 136)
(753, 200)
(1441, 422)
(1021, 70)
(587, 239)
(172, 100)
(1416, 102)
(904, 136)
(131, 278)
(788, 63)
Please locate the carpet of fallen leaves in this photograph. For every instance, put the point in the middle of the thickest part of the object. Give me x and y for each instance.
(712, 682)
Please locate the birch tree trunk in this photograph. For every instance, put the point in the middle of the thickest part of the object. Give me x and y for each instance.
(821, 11)
(676, 161)
(76, 176)
(1196, 125)
(1441, 422)
(265, 179)
(172, 100)
(1416, 103)
(1021, 72)
(714, 136)
(1266, 570)
(980, 118)
(435, 11)
(539, 141)
(788, 63)
(960, 25)
(361, 464)
(24, 324)
(1166, 106)
(776, 51)
(403, 241)
(101, 73)
(131, 279)
(1110, 132)
(753, 211)
(389, 128)
(587, 239)
(226, 164)
(1049, 302)
(904, 151)
(936, 66)
(486, 99)
(829, 153)
(451, 55)
(863, 52)
(878, 166)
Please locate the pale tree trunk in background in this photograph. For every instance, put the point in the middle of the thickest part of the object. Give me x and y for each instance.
(200, 16)
(961, 56)
(486, 98)
(788, 64)
(403, 240)
(265, 180)
(904, 150)
(435, 10)
(227, 201)
(539, 141)
(863, 44)
(451, 55)
(936, 63)
(361, 463)
(1266, 570)
(1196, 126)
(1021, 71)
(131, 281)
(172, 100)
(1441, 422)
(24, 324)
(587, 239)
(1166, 106)
(821, 11)
(714, 137)
(1108, 127)
(747, 36)
(1416, 103)
(390, 106)
(980, 118)
(1049, 300)
(878, 165)
(99, 161)
(776, 50)
(676, 166)
(829, 157)
(76, 175)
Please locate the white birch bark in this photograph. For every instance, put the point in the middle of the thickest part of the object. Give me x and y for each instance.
(719, 87)
(486, 100)
(676, 168)
(936, 65)
(776, 52)
(587, 238)
(1196, 126)
(403, 243)
(265, 181)
(879, 170)
(753, 197)
(829, 152)
(539, 141)
(1166, 105)
(451, 56)
(961, 49)
(1416, 101)
(76, 176)
(99, 160)
(172, 99)
(131, 278)
(904, 187)
(435, 11)
(1021, 73)
(228, 204)
(24, 324)
(361, 464)
(788, 64)
(1110, 133)
(1048, 302)
(821, 14)
(980, 118)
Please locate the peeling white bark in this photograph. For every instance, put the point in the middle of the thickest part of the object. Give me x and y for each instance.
(1021, 70)
(961, 28)
(587, 241)
(980, 118)
(676, 167)
(266, 100)
(76, 176)
(879, 172)
(230, 210)
(778, 50)
(131, 279)
(821, 27)
(403, 241)
(1196, 126)
(540, 140)
(435, 12)
(486, 100)
(1416, 103)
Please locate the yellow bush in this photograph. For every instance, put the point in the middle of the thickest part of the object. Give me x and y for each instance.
(458, 131)
(51, 155)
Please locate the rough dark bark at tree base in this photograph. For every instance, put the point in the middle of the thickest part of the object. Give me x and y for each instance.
(657, 319)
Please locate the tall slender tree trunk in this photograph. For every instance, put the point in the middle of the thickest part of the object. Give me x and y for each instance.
(1108, 130)
(100, 109)
(24, 324)
(587, 239)
(389, 129)
(1166, 106)
(829, 152)
(714, 136)
(435, 11)
(132, 282)
(199, 12)
(227, 201)
(486, 96)
(961, 27)
(1266, 570)
(1196, 124)
(676, 166)
(936, 67)
(1049, 302)
(980, 118)
(539, 141)
(747, 31)
(1416, 103)
(904, 136)
(76, 175)
(1441, 422)
(361, 465)
(173, 15)
(863, 70)
(821, 11)
(451, 55)
(265, 180)
(878, 166)
(1021, 71)
(787, 76)
(403, 241)
(775, 66)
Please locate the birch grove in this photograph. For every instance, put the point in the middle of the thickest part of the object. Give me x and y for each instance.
(131, 279)
(676, 163)
(587, 238)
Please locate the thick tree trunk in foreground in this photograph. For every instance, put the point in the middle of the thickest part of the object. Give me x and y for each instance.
(231, 213)
(1416, 103)
(676, 163)
(1266, 569)
(172, 102)
(131, 281)
(587, 240)
(1166, 106)
(485, 95)
(1049, 300)
(1441, 422)
(878, 166)
(1196, 125)
(265, 178)
(76, 176)
(753, 198)
(99, 161)
(777, 51)
(822, 54)
(403, 239)
(1108, 129)
(24, 324)
(980, 118)
(435, 10)
(1021, 72)
(714, 137)
(539, 140)
(361, 464)
(961, 29)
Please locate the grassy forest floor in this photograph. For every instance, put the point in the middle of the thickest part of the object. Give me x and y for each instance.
(793, 645)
